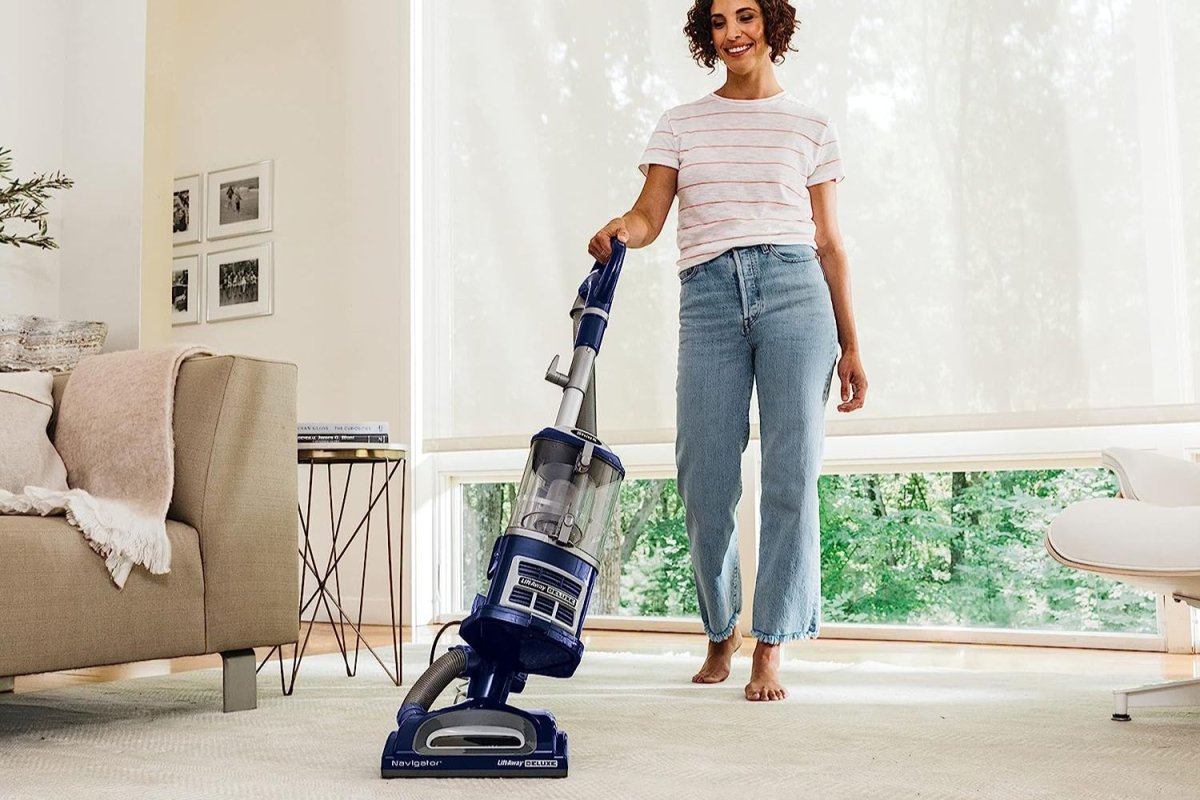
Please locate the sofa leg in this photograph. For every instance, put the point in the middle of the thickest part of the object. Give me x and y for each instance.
(239, 680)
(6, 684)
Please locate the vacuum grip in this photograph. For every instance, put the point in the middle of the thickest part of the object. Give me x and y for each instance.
(600, 284)
(597, 292)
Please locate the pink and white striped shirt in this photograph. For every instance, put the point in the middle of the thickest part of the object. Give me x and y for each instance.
(744, 171)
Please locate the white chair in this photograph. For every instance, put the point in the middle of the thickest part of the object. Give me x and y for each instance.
(1148, 537)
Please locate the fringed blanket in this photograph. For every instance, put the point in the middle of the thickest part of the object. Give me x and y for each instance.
(115, 437)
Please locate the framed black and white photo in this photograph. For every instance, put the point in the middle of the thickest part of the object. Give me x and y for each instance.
(185, 290)
(239, 200)
(187, 210)
(239, 283)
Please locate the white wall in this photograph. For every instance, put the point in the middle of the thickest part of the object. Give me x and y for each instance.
(103, 140)
(74, 99)
(31, 125)
(158, 171)
(321, 89)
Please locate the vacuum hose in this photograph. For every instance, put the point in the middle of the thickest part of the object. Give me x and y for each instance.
(436, 678)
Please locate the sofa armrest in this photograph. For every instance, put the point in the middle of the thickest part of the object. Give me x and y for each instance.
(1153, 477)
(235, 483)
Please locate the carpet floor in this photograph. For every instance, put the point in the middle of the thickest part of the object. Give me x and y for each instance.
(638, 729)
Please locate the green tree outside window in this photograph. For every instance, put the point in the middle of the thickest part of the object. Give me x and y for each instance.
(938, 548)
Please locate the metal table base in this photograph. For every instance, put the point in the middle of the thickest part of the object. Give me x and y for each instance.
(320, 584)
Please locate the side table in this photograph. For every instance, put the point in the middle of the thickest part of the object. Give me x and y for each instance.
(320, 583)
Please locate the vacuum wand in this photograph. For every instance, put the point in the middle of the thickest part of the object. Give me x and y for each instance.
(592, 306)
(575, 385)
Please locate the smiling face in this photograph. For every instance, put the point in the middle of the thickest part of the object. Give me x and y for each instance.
(738, 34)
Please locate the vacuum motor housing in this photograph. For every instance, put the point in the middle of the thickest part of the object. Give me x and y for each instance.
(543, 569)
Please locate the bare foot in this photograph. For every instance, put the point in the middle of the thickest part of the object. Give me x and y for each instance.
(764, 674)
(716, 666)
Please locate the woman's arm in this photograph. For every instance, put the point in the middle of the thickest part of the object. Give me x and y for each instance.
(835, 265)
(640, 225)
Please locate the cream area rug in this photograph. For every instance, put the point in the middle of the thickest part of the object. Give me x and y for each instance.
(638, 729)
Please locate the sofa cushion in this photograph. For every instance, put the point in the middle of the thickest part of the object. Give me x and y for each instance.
(60, 610)
(27, 458)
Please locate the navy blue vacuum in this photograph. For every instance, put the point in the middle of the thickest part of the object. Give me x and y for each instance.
(541, 574)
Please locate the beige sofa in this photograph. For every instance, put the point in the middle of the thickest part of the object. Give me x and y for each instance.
(234, 577)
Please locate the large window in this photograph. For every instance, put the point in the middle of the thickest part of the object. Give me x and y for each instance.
(1022, 213)
(938, 548)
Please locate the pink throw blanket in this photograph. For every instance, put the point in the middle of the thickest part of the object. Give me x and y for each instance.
(114, 433)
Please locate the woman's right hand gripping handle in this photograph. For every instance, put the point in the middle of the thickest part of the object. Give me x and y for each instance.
(600, 246)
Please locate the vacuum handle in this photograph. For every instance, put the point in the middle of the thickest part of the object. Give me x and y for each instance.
(597, 292)
(600, 284)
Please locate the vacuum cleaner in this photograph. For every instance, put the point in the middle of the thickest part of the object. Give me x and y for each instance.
(541, 575)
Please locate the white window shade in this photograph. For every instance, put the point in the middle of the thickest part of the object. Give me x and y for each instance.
(1021, 211)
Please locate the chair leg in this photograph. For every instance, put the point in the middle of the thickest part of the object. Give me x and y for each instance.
(239, 680)
(1175, 694)
(6, 684)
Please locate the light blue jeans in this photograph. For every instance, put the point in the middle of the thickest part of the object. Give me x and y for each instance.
(755, 315)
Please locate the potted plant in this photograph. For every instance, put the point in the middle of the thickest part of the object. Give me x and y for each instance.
(27, 342)
(25, 201)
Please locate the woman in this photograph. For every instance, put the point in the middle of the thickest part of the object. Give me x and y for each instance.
(764, 299)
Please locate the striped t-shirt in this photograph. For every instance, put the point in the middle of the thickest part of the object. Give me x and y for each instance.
(744, 171)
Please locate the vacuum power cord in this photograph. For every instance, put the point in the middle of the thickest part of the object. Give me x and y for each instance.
(443, 629)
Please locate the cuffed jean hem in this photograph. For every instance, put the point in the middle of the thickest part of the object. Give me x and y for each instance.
(780, 638)
(722, 636)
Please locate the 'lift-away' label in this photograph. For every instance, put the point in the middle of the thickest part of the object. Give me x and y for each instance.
(546, 589)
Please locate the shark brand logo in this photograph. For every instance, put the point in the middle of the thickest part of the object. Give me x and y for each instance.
(548, 590)
(582, 434)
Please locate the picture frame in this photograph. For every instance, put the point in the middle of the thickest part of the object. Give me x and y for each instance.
(240, 283)
(239, 200)
(187, 210)
(186, 290)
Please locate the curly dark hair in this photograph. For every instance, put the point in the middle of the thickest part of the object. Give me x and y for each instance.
(779, 23)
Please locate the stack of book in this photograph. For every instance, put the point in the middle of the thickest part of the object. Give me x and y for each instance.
(341, 432)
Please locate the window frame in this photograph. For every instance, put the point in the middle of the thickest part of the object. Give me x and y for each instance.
(924, 453)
